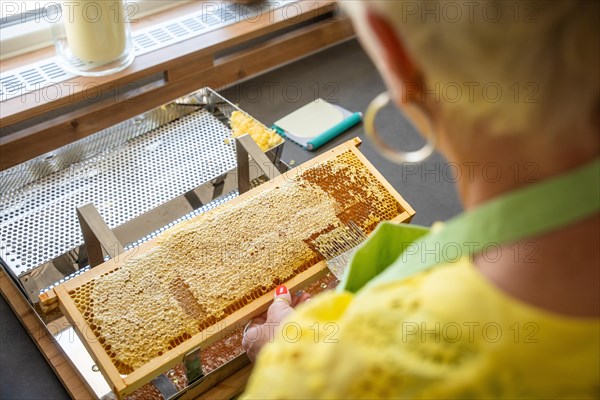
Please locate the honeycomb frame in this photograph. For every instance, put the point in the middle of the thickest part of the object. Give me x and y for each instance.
(79, 310)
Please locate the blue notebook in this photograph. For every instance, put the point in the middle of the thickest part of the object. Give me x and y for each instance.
(316, 123)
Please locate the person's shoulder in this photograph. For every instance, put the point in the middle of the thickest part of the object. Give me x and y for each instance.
(458, 292)
(444, 291)
(439, 334)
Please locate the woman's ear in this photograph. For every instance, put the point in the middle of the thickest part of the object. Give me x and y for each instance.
(398, 63)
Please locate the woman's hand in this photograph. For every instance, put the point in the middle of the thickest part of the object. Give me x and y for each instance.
(262, 329)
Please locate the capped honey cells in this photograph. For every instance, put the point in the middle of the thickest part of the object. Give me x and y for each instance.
(206, 268)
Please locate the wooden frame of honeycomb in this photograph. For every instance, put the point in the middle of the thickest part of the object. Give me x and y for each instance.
(140, 313)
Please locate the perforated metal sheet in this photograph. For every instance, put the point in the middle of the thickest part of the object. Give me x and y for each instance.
(215, 203)
(39, 220)
(34, 170)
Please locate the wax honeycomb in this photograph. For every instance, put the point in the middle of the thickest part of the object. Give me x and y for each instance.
(242, 124)
(204, 269)
(220, 352)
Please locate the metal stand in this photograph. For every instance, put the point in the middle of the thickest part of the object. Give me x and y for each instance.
(193, 366)
(193, 371)
(245, 146)
(165, 386)
(97, 236)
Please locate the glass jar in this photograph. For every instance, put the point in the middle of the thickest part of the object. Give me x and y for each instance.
(92, 37)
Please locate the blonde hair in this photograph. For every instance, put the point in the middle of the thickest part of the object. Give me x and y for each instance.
(542, 56)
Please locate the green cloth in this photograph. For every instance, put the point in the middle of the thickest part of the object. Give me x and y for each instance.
(385, 245)
(397, 251)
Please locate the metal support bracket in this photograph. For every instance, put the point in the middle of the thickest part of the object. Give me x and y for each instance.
(97, 236)
(245, 146)
(193, 366)
(165, 386)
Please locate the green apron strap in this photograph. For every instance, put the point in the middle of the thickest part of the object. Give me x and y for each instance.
(526, 212)
(376, 255)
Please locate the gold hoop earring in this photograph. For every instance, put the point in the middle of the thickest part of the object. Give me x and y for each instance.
(395, 155)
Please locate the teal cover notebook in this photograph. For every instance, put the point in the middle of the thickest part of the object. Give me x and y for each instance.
(316, 123)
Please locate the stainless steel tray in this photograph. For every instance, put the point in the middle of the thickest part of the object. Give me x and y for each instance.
(143, 175)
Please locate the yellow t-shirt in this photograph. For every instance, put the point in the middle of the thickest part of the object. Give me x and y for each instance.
(445, 333)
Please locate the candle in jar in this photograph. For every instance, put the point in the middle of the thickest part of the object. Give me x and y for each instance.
(95, 29)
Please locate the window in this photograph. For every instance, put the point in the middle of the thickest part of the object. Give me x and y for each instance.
(26, 25)
(15, 12)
